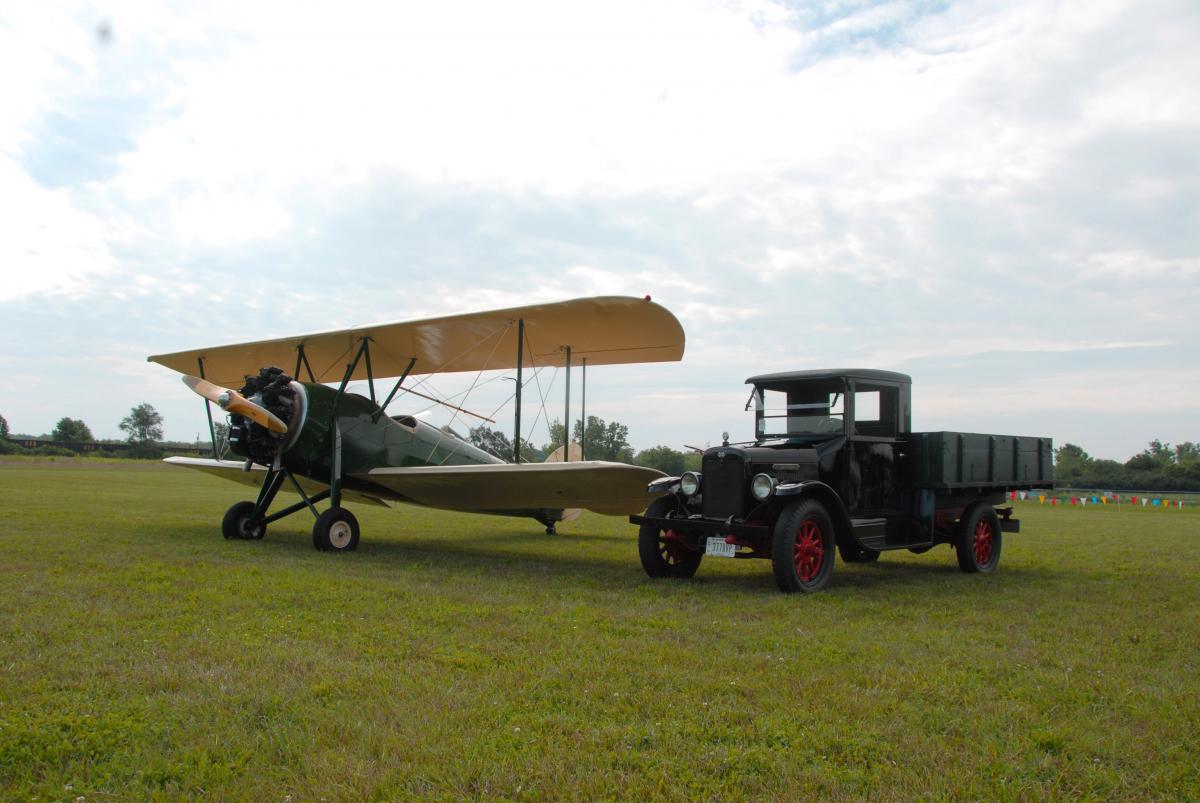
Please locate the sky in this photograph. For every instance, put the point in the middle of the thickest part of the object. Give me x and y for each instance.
(1001, 199)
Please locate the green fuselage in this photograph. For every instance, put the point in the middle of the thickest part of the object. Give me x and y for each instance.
(369, 439)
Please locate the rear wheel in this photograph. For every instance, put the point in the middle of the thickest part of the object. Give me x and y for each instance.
(664, 552)
(978, 540)
(239, 523)
(336, 530)
(802, 547)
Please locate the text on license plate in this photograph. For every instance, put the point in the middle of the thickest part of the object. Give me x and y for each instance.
(718, 547)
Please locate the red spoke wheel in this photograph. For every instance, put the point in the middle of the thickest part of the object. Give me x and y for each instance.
(978, 540)
(802, 547)
(665, 552)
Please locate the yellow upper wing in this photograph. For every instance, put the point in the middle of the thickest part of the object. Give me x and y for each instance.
(606, 330)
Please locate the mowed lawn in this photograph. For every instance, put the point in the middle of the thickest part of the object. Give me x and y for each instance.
(458, 656)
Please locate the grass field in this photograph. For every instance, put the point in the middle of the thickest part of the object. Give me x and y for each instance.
(452, 656)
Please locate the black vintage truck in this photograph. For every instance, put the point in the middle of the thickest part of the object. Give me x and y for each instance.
(835, 467)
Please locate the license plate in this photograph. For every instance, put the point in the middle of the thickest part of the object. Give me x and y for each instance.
(718, 548)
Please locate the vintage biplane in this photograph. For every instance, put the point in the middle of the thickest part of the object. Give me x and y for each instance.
(307, 432)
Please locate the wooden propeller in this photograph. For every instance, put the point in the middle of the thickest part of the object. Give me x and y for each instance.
(233, 402)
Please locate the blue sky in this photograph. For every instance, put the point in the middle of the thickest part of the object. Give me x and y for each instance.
(1001, 199)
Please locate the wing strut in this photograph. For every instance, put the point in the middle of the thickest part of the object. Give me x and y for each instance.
(567, 413)
(212, 431)
(583, 416)
(520, 356)
(399, 382)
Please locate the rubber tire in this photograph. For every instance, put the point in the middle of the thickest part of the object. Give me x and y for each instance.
(783, 546)
(237, 524)
(981, 515)
(650, 546)
(335, 530)
(856, 555)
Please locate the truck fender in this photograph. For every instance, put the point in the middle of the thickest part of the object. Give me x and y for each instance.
(827, 497)
(664, 485)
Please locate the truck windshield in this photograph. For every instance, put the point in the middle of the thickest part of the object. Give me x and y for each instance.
(808, 409)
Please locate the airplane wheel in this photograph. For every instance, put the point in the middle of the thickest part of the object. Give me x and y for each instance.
(239, 524)
(336, 530)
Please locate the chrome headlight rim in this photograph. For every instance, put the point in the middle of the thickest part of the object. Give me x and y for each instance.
(762, 486)
(689, 483)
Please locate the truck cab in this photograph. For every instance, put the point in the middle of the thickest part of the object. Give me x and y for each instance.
(834, 467)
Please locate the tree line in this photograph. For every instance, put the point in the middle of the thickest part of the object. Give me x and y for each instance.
(605, 440)
(1158, 467)
(143, 428)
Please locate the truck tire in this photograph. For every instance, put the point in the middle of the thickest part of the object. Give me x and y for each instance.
(802, 547)
(978, 540)
(662, 555)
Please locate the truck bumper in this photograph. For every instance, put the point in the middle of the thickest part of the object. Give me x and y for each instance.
(702, 526)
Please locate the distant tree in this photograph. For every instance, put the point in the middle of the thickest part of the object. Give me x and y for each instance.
(1157, 455)
(1187, 452)
(221, 430)
(71, 429)
(143, 424)
(3, 427)
(605, 441)
(664, 458)
(557, 434)
(496, 443)
(1069, 453)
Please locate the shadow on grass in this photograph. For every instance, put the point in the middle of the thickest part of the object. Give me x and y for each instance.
(530, 557)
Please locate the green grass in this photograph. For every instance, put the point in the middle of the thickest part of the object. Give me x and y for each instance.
(142, 656)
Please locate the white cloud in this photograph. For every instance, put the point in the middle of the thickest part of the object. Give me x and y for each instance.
(48, 245)
(803, 185)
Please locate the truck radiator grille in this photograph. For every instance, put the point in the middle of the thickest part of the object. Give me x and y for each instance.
(724, 487)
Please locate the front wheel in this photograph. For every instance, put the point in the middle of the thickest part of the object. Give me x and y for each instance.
(239, 523)
(802, 547)
(665, 553)
(336, 530)
(978, 540)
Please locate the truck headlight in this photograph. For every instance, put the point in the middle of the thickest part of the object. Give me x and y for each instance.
(689, 483)
(762, 486)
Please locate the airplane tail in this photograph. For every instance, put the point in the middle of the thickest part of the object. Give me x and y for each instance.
(575, 453)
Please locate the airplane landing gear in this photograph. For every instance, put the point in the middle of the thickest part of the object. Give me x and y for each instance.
(335, 530)
(239, 523)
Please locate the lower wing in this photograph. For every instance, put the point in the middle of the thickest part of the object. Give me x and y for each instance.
(609, 488)
(235, 470)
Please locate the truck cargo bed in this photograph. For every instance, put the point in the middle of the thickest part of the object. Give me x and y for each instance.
(948, 460)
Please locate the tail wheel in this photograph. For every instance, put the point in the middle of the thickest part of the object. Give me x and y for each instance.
(978, 540)
(336, 530)
(803, 547)
(665, 553)
(239, 523)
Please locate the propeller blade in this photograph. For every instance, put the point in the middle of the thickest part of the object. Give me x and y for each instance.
(233, 402)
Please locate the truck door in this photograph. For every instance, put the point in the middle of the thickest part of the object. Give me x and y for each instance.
(874, 435)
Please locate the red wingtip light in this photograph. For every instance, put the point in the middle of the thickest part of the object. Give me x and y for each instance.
(648, 297)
